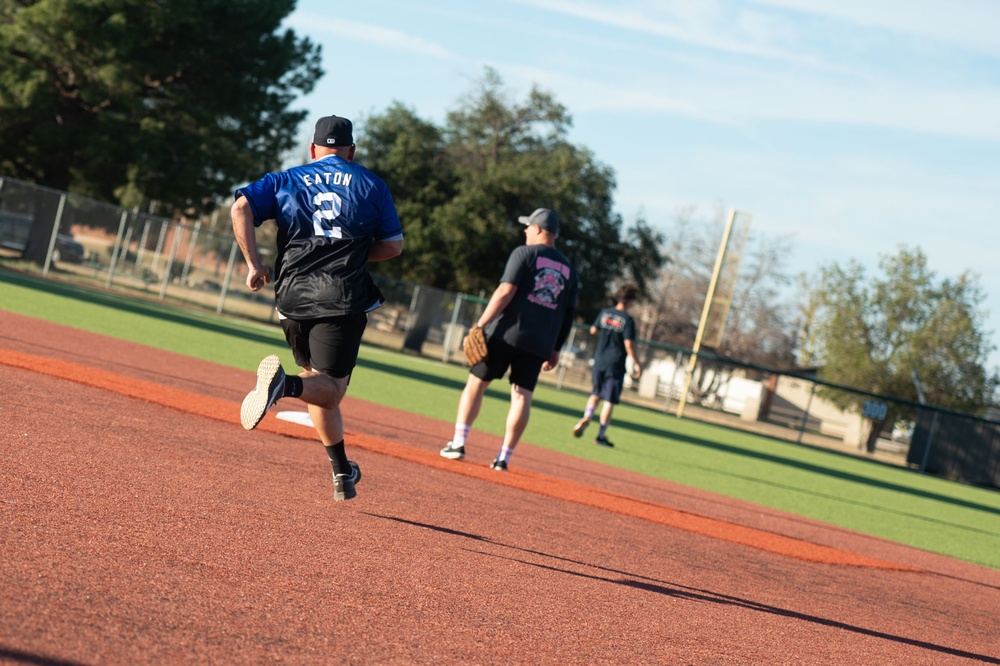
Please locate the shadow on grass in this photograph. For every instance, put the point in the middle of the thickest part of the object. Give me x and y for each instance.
(403, 372)
(497, 389)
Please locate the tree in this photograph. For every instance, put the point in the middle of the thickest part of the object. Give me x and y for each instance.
(872, 334)
(759, 327)
(497, 159)
(132, 100)
(411, 156)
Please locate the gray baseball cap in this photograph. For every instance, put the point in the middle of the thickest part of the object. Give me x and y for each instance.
(543, 218)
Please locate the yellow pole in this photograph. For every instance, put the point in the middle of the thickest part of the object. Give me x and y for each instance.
(704, 312)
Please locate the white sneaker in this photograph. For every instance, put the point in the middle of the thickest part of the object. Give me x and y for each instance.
(270, 386)
(453, 452)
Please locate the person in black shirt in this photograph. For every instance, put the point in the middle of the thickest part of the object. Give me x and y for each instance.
(526, 322)
(616, 329)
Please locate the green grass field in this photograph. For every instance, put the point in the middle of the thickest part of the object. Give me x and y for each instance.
(864, 495)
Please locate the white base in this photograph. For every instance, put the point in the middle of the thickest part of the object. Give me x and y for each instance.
(302, 418)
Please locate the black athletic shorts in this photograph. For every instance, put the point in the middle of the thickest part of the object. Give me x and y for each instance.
(524, 367)
(329, 345)
(607, 385)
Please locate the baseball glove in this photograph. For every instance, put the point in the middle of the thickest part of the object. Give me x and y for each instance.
(475, 346)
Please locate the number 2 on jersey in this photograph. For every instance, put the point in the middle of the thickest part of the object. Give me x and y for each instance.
(327, 210)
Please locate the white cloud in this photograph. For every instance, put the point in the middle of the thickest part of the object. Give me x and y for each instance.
(386, 38)
(764, 28)
(955, 112)
(740, 95)
(790, 78)
(969, 24)
(705, 24)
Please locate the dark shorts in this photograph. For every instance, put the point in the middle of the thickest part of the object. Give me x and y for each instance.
(607, 385)
(524, 367)
(328, 345)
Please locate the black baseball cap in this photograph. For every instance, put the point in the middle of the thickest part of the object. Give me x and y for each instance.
(543, 218)
(334, 131)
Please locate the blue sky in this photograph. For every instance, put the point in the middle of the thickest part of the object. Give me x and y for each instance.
(852, 126)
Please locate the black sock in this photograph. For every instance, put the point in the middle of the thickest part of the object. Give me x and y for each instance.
(338, 458)
(293, 387)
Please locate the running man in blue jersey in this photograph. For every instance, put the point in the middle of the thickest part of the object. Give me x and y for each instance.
(333, 218)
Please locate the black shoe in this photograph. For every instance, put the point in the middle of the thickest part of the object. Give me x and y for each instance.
(343, 484)
(452, 452)
(580, 426)
(269, 388)
(602, 441)
(499, 465)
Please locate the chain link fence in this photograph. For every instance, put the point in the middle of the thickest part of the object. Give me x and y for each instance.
(192, 262)
(197, 263)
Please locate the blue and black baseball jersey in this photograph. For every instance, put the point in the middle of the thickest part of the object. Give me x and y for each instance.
(614, 327)
(328, 214)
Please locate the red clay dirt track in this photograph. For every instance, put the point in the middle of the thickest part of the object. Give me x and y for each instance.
(139, 523)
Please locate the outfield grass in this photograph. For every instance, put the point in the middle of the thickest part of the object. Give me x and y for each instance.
(864, 495)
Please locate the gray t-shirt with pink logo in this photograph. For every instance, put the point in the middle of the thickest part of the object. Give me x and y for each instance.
(540, 316)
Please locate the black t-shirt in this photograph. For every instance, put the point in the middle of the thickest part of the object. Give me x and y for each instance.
(539, 317)
(614, 327)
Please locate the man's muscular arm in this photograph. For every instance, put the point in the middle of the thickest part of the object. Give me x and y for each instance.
(246, 238)
(501, 298)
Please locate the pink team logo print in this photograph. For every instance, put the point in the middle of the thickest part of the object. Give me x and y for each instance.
(549, 284)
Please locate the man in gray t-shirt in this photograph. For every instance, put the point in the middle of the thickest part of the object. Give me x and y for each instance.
(526, 323)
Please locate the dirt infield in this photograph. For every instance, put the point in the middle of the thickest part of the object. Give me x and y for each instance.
(141, 524)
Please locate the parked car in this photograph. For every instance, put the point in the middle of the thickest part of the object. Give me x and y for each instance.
(14, 230)
(69, 250)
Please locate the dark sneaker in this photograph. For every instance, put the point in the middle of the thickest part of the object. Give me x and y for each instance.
(580, 426)
(499, 465)
(603, 441)
(453, 452)
(343, 484)
(270, 386)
